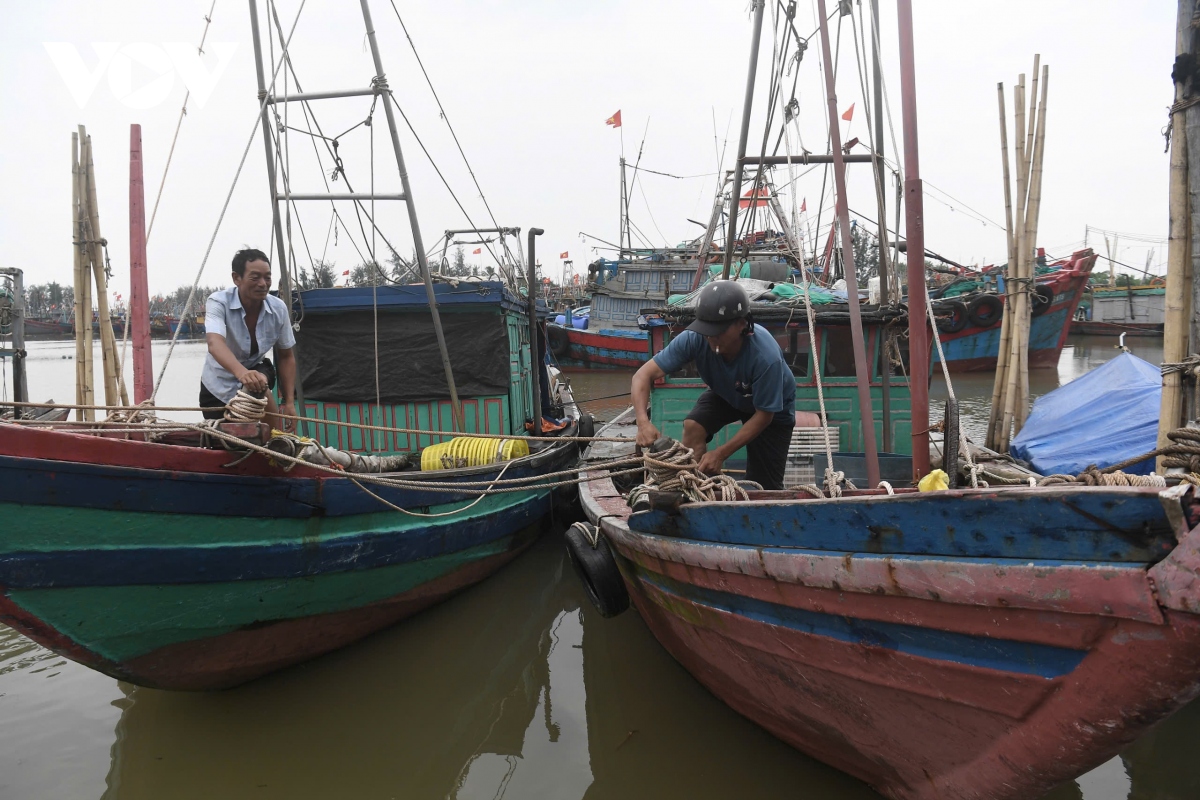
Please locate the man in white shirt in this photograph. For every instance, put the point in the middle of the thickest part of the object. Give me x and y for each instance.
(242, 324)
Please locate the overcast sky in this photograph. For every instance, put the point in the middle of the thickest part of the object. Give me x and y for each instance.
(528, 87)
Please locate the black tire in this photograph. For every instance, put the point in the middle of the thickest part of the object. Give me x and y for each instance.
(951, 316)
(587, 429)
(597, 570)
(985, 310)
(557, 339)
(950, 437)
(1041, 299)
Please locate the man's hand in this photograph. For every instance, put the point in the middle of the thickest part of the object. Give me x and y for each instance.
(254, 381)
(290, 410)
(711, 462)
(647, 434)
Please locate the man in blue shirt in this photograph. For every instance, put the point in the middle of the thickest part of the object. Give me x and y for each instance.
(242, 324)
(748, 381)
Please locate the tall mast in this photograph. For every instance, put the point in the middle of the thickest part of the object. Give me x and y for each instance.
(760, 7)
(861, 368)
(380, 82)
(885, 272)
(914, 233)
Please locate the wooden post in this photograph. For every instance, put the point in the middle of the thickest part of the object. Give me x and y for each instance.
(1001, 378)
(1031, 225)
(108, 348)
(1179, 246)
(83, 281)
(1016, 273)
(139, 291)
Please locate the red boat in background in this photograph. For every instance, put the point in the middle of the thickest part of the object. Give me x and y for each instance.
(969, 324)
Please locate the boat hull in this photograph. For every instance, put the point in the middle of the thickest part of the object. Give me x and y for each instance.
(145, 562)
(976, 348)
(1084, 327)
(876, 634)
(606, 349)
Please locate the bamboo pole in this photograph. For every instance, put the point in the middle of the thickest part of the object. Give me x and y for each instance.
(995, 415)
(83, 320)
(1179, 255)
(108, 344)
(1016, 271)
(1031, 225)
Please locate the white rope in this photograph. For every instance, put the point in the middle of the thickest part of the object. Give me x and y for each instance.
(971, 468)
(833, 478)
(245, 407)
(187, 307)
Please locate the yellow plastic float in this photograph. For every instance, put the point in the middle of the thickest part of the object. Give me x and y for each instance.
(471, 451)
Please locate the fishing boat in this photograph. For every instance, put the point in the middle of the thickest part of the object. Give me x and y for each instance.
(983, 642)
(970, 323)
(1111, 311)
(182, 556)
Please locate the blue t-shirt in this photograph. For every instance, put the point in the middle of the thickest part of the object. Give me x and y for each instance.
(758, 379)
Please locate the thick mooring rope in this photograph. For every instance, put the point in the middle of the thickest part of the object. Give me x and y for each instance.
(675, 469)
(245, 407)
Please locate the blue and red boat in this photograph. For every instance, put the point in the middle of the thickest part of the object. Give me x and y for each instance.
(969, 325)
(169, 564)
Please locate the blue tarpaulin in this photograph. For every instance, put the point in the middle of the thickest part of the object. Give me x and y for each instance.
(1108, 415)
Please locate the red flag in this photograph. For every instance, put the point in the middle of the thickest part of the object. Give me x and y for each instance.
(477, 251)
(347, 272)
(614, 120)
(849, 113)
(804, 205)
(562, 255)
(760, 193)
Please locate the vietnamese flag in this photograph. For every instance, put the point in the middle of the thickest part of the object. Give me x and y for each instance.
(477, 251)
(849, 115)
(562, 255)
(347, 272)
(614, 120)
(804, 205)
(757, 193)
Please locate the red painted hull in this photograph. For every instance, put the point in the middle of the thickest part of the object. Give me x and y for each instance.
(878, 664)
(912, 731)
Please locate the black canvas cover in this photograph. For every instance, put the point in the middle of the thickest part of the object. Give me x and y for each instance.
(336, 356)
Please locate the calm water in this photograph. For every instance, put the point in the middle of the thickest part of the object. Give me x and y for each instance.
(513, 689)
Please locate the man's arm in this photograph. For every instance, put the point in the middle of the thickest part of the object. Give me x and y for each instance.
(287, 381)
(711, 461)
(643, 379)
(253, 380)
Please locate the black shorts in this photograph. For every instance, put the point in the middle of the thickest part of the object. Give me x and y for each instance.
(766, 454)
(210, 400)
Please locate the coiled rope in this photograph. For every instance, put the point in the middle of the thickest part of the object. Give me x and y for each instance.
(245, 407)
(675, 469)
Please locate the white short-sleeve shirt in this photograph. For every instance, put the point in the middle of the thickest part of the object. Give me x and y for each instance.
(224, 314)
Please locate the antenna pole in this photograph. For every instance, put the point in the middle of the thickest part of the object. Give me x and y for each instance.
(861, 367)
(760, 7)
(381, 86)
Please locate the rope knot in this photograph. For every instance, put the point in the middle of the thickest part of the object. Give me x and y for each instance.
(245, 407)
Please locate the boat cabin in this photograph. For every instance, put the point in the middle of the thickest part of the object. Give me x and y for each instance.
(359, 346)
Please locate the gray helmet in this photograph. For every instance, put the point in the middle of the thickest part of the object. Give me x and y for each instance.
(719, 304)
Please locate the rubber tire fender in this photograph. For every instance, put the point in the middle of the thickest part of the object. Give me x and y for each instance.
(957, 318)
(557, 340)
(586, 426)
(597, 570)
(1041, 299)
(985, 310)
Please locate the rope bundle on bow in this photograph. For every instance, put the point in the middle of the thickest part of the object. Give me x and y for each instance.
(673, 468)
(1095, 477)
(245, 407)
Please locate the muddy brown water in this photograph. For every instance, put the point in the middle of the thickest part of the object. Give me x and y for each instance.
(512, 689)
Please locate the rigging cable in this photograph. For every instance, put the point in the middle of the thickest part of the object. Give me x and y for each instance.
(221, 218)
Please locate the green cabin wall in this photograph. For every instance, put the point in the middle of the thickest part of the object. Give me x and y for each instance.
(491, 414)
(674, 396)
